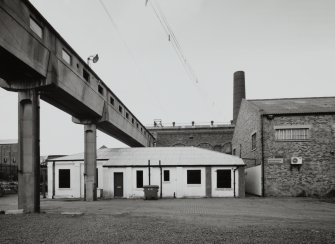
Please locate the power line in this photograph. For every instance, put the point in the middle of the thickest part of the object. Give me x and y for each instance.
(172, 39)
(127, 47)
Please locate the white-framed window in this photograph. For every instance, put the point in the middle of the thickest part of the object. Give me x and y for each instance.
(292, 134)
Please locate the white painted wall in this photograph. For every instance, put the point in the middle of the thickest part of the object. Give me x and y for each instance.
(253, 180)
(76, 189)
(177, 186)
(192, 190)
(224, 192)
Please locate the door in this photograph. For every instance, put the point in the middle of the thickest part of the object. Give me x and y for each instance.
(118, 184)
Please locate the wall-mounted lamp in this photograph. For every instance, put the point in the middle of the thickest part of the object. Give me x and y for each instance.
(94, 58)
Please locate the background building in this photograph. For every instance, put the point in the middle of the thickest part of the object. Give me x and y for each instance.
(8, 159)
(215, 137)
(288, 146)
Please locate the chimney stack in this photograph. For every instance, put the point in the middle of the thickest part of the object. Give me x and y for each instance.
(239, 93)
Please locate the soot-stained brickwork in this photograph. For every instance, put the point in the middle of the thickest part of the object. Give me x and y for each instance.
(213, 137)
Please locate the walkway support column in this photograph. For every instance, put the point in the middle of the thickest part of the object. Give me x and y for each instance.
(90, 162)
(29, 151)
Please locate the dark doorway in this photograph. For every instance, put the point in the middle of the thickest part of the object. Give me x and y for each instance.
(118, 184)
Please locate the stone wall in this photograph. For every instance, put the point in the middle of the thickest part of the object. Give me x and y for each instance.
(316, 175)
(217, 138)
(247, 124)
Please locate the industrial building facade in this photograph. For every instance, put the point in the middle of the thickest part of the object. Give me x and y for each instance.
(8, 159)
(288, 146)
(216, 137)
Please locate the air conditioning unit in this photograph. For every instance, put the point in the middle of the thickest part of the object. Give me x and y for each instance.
(296, 160)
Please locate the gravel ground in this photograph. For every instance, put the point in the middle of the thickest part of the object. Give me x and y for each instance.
(249, 220)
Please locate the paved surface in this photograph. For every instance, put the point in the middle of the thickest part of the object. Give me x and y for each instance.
(248, 220)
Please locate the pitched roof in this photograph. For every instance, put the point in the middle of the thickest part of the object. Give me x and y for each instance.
(296, 105)
(170, 156)
(167, 156)
(9, 141)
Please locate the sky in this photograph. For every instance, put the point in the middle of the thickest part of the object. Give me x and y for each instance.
(285, 47)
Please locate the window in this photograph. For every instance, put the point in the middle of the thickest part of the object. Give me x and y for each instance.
(127, 115)
(111, 100)
(223, 178)
(132, 120)
(253, 141)
(292, 134)
(101, 89)
(64, 178)
(86, 75)
(36, 28)
(139, 178)
(166, 175)
(120, 109)
(136, 125)
(66, 56)
(234, 151)
(194, 176)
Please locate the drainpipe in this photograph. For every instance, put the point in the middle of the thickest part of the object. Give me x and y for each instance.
(53, 180)
(149, 172)
(262, 154)
(161, 192)
(234, 183)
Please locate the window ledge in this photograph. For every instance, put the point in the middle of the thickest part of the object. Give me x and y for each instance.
(223, 189)
(194, 185)
(296, 140)
(64, 189)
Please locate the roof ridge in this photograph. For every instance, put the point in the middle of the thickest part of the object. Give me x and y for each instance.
(287, 98)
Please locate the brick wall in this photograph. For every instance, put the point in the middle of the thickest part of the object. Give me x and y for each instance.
(216, 138)
(316, 176)
(248, 123)
(8, 161)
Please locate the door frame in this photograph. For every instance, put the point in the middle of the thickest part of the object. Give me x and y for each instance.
(118, 173)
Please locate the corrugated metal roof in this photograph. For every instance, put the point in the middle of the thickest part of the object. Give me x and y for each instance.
(296, 105)
(9, 141)
(167, 156)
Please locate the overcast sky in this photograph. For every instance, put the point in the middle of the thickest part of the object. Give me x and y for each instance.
(285, 47)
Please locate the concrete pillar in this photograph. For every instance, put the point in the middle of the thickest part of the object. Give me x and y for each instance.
(90, 162)
(29, 151)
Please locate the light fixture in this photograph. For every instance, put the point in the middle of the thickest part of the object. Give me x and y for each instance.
(94, 58)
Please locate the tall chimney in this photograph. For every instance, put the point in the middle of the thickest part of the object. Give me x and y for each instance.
(239, 93)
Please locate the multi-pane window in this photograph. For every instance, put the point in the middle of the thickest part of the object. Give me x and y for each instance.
(166, 175)
(64, 178)
(139, 178)
(253, 141)
(193, 176)
(223, 178)
(292, 134)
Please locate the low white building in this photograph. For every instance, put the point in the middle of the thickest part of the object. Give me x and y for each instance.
(178, 171)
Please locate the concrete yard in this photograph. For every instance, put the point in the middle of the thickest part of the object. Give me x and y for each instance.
(246, 220)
